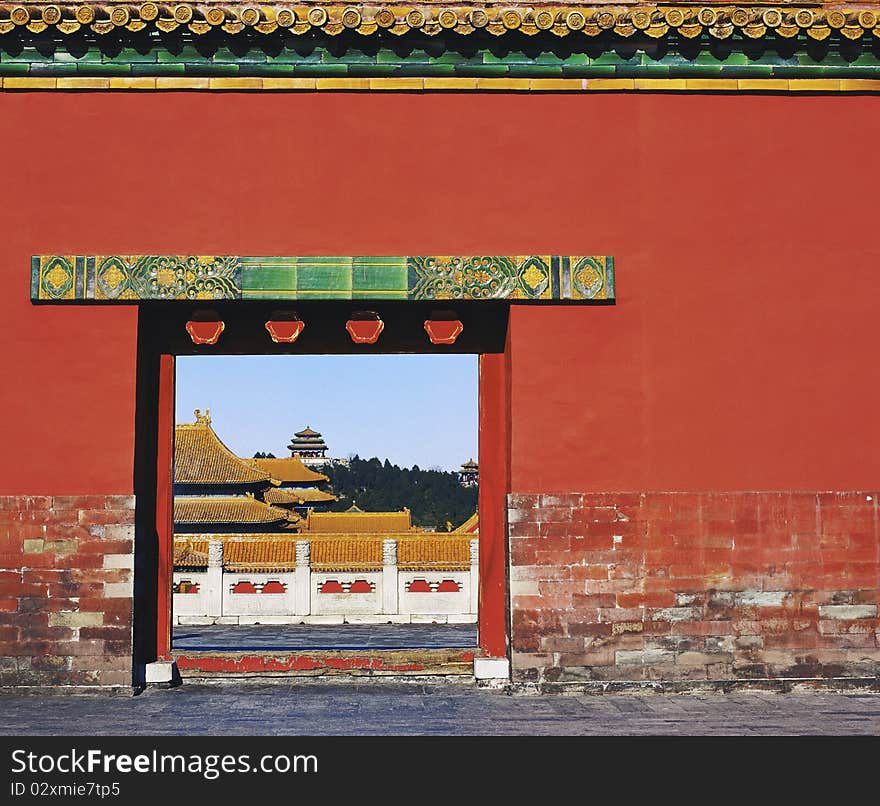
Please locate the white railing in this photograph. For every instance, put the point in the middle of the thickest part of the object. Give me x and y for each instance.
(303, 595)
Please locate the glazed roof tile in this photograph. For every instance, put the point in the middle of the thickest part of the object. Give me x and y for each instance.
(281, 496)
(289, 470)
(200, 457)
(470, 526)
(226, 509)
(359, 522)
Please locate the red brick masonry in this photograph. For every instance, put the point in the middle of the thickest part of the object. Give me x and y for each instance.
(66, 565)
(694, 586)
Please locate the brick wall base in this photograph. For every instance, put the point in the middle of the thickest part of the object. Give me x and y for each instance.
(694, 586)
(66, 565)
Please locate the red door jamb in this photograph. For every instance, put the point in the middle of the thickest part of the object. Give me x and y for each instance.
(494, 451)
(164, 506)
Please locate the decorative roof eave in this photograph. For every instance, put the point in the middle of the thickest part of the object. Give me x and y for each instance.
(129, 279)
(719, 20)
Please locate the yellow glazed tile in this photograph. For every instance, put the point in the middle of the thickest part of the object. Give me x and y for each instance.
(556, 84)
(83, 83)
(170, 83)
(859, 85)
(450, 83)
(236, 83)
(288, 83)
(814, 84)
(610, 84)
(763, 84)
(412, 83)
(516, 84)
(662, 84)
(711, 84)
(28, 83)
(342, 83)
(130, 83)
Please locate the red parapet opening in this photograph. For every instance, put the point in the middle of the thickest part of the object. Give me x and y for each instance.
(244, 587)
(360, 586)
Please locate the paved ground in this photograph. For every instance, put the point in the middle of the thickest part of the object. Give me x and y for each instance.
(322, 637)
(375, 707)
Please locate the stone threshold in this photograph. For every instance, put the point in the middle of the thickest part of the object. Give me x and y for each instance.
(303, 663)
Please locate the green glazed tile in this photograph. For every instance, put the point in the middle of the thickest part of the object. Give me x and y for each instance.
(292, 56)
(33, 56)
(158, 69)
(103, 70)
(186, 54)
(208, 69)
(90, 56)
(330, 275)
(268, 70)
(386, 274)
(481, 70)
(320, 70)
(7, 69)
(538, 70)
(65, 69)
(130, 55)
(261, 276)
(428, 70)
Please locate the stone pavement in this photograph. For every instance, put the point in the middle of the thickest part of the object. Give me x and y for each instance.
(286, 637)
(318, 707)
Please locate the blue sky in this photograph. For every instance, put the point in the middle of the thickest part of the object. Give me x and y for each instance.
(411, 409)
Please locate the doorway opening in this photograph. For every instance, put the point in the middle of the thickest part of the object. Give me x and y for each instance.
(362, 533)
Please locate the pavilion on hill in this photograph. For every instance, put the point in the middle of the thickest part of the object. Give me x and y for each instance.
(308, 444)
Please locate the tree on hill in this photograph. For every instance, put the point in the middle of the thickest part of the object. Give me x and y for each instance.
(434, 497)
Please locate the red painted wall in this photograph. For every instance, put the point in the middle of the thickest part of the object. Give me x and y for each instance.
(740, 353)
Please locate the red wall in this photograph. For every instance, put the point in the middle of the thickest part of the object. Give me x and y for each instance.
(740, 353)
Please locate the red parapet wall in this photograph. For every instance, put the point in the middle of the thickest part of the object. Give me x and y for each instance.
(694, 586)
(66, 565)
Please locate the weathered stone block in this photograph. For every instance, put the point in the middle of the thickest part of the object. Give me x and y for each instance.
(75, 619)
(848, 611)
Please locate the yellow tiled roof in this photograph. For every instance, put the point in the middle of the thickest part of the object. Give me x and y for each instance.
(288, 470)
(201, 458)
(190, 553)
(423, 553)
(276, 555)
(280, 496)
(346, 554)
(226, 509)
(358, 522)
(470, 526)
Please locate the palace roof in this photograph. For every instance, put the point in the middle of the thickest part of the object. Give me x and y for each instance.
(307, 432)
(190, 553)
(227, 509)
(281, 496)
(200, 457)
(470, 464)
(289, 470)
(471, 526)
(359, 522)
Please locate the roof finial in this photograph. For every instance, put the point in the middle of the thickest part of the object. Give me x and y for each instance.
(204, 419)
